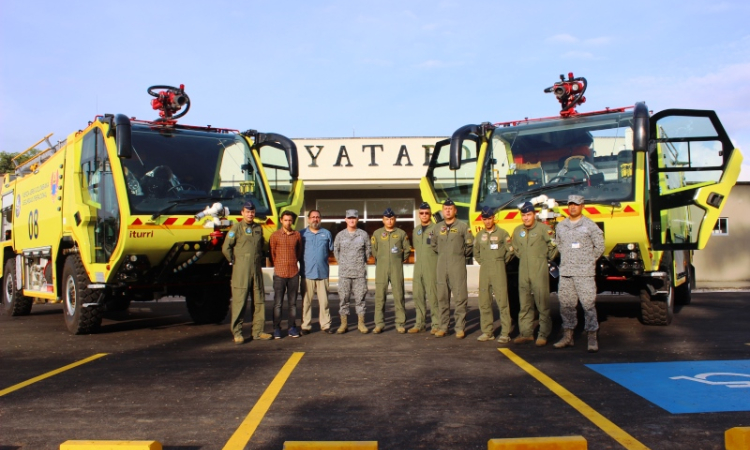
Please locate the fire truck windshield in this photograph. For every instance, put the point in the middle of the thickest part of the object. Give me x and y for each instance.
(590, 156)
(169, 168)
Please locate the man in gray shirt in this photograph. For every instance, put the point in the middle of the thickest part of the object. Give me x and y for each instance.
(580, 243)
(352, 249)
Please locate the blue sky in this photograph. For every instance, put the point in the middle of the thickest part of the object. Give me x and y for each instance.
(385, 68)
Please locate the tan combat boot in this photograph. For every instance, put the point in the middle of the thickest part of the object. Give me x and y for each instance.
(361, 325)
(342, 328)
(566, 341)
(593, 344)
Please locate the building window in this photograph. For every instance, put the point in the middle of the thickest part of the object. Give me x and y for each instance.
(333, 213)
(722, 227)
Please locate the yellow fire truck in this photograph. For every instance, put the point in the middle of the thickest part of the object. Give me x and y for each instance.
(128, 209)
(655, 184)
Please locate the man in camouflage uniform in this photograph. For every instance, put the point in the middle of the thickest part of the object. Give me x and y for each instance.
(492, 250)
(581, 243)
(534, 245)
(453, 243)
(243, 247)
(352, 249)
(391, 249)
(424, 284)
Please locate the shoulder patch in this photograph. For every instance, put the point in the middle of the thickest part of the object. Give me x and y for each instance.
(372, 239)
(231, 234)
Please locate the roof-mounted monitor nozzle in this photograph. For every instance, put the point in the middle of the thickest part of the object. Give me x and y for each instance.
(569, 93)
(169, 101)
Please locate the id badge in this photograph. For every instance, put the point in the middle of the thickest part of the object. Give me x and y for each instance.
(576, 245)
(493, 246)
(394, 249)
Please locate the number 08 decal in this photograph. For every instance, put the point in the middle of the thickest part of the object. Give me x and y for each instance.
(34, 224)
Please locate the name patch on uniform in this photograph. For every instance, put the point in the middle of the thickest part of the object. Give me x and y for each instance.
(494, 238)
(395, 236)
(453, 230)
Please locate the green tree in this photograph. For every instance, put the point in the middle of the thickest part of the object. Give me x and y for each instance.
(6, 163)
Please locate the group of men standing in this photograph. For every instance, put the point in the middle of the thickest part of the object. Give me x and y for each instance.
(441, 251)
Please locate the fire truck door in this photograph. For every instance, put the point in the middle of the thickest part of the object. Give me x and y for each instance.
(692, 167)
(279, 164)
(99, 194)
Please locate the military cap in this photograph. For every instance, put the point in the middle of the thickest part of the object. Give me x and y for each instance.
(424, 205)
(389, 213)
(248, 206)
(526, 207)
(487, 212)
(352, 213)
(577, 199)
(449, 202)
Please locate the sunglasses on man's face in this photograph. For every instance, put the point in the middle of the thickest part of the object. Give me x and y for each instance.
(424, 213)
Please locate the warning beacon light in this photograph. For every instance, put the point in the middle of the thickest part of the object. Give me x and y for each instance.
(169, 101)
(569, 93)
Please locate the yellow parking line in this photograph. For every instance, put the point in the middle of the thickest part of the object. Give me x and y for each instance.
(617, 433)
(49, 374)
(242, 435)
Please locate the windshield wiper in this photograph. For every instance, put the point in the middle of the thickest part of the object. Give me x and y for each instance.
(174, 203)
(539, 189)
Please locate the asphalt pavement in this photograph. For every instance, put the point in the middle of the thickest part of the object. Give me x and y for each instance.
(189, 387)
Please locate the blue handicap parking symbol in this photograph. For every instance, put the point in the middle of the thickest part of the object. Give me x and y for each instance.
(686, 387)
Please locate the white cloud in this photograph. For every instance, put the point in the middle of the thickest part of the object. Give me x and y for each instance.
(562, 39)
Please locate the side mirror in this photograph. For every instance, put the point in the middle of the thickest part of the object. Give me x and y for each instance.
(640, 127)
(123, 136)
(457, 141)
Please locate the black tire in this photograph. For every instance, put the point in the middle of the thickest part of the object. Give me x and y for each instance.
(209, 304)
(659, 309)
(683, 294)
(14, 302)
(75, 293)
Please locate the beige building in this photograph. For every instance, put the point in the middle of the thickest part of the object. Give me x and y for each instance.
(367, 174)
(725, 262)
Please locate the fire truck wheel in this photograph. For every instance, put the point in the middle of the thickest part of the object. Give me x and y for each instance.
(14, 302)
(683, 293)
(657, 309)
(208, 304)
(79, 319)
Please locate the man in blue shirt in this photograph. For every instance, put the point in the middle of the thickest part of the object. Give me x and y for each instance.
(316, 244)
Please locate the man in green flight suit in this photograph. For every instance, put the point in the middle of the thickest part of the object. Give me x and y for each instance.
(492, 249)
(453, 243)
(424, 284)
(391, 249)
(243, 247)
(534, 245)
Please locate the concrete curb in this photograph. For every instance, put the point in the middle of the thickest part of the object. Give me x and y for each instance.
(539, 443)
(110, 445)
(331, 445)
(737, 438)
